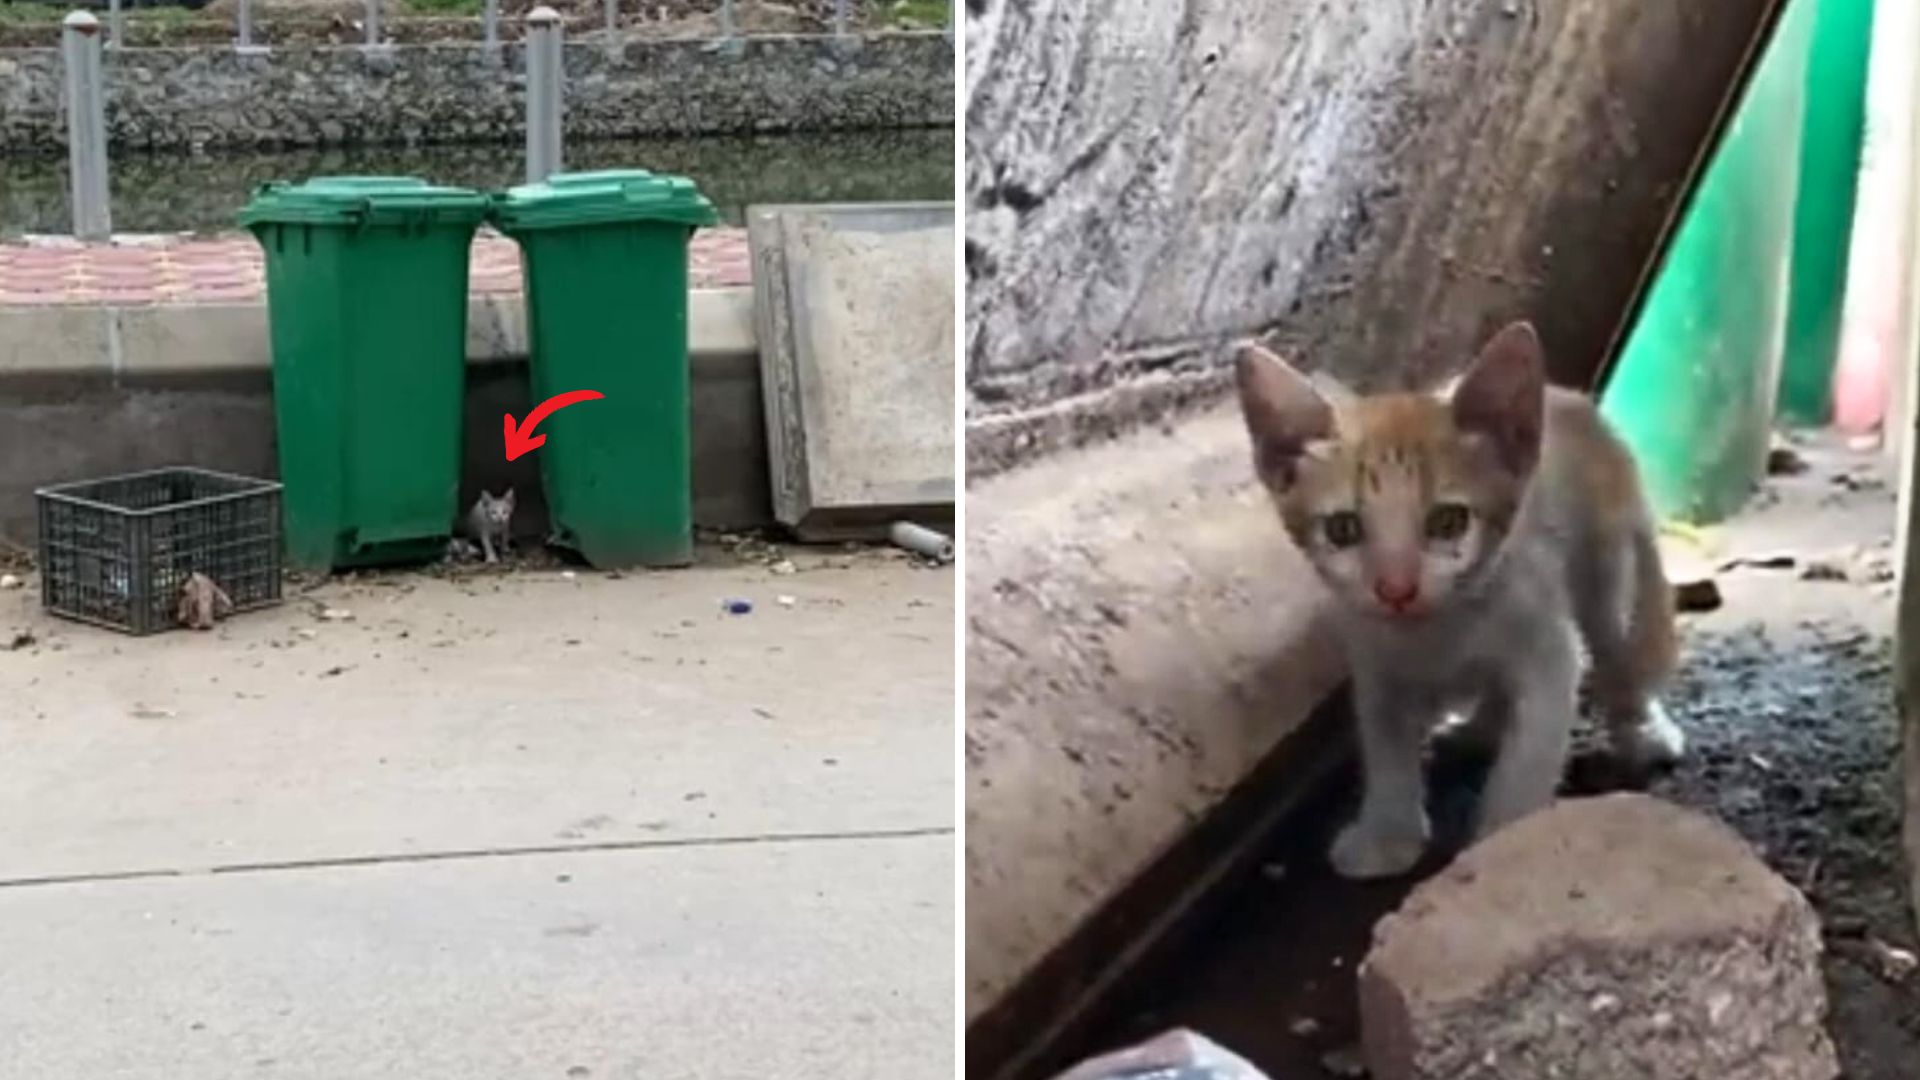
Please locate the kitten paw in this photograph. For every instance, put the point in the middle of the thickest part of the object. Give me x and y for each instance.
(1654, 743)
(1364, 851)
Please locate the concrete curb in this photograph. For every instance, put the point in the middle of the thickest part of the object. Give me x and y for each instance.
(205, 338)
(1140, 636)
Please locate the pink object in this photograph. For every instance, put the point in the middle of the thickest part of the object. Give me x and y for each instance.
(1873, 313)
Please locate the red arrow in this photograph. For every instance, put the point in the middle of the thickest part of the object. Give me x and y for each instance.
(520, 437)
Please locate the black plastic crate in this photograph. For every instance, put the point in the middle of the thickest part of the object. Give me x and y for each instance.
(115, 552)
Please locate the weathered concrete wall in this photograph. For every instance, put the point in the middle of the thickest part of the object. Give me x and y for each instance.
(1374, 186)
(91, 392)
(318, 96)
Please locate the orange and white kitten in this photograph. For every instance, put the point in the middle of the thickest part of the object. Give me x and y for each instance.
(1466, 535)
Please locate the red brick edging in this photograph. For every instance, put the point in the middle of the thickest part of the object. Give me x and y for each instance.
(144, 271)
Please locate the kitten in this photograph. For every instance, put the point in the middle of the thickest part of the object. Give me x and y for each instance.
(490, 523)
(201, 603)
(1465, 535)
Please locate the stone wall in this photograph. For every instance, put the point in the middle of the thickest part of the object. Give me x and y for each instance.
(173, 99)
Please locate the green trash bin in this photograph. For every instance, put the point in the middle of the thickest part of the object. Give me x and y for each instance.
(606, 277)
(1694, 389)
(367, 313)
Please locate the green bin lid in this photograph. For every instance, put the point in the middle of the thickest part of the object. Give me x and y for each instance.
(362, 200)
(588, 198)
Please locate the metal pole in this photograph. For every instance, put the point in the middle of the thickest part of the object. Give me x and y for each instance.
(86, 126)
(373, 23)
(490, 18)
(727, 27)
(115, 24)
(839, 18)
(613, 17)
(245, 16)
(544, 86)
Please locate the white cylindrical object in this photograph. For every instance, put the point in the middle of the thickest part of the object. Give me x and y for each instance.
(727, 27)
(116, 24)
(545, 83)
(921, 541)
(839, 18)
(613, 17)
(373, 22)
(245, 28)
(490, 21)
(86, 126)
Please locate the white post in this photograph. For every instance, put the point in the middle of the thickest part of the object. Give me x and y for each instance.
(544, 87)
(116, 25)
(613, 18)
(490, 18)
(839, 18)
(86, 126)
(245, 16)
(727, 27)
(373, 23)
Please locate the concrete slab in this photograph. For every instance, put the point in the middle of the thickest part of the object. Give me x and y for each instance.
(827, 958)
(516, 711)
(856, 330)
(512, 825)
(195, 339)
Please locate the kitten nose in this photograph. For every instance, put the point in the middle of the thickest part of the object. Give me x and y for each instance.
(1396, 593)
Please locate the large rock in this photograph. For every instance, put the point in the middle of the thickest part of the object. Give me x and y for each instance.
(1616, 938)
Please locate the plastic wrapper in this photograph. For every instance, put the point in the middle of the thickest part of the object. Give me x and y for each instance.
(1177, 1055)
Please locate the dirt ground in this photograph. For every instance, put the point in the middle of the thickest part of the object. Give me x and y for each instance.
(1785, 692)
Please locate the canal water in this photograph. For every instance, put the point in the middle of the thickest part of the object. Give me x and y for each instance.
(201, 193)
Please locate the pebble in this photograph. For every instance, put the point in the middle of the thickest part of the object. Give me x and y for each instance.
(1344, 1062)
(1896, 964)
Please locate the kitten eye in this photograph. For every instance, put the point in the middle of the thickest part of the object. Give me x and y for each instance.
(1447, 521)
(1342, 528)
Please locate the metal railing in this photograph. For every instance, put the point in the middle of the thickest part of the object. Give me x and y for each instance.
(545, 89)
(86, 126)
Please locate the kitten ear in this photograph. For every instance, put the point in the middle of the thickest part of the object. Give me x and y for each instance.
(1503, 396)
(1284, 412)
(508, 498)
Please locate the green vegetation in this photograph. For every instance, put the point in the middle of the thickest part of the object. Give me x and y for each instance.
(442, 7)
(25, 14)
(922, 14)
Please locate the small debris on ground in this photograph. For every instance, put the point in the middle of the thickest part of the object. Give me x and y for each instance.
(20, 640)
(1784, 460)
(1697, 595)
(1777, 560)
(334, 614)
(1304, 1027)
(786, 601)
(1274, 871)
(1896, 964)
(1344, 1062)
(149, 712)
(10, 581)
(784, 567)
(737, 607)
(1824, 568)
